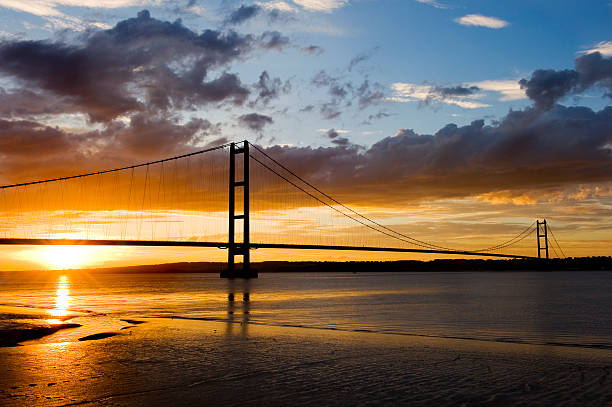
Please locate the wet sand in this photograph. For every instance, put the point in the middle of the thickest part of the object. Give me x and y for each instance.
(169, 362)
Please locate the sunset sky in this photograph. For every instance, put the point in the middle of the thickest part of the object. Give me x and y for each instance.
(456, 122)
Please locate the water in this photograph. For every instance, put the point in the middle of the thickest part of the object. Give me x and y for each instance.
(569, 308)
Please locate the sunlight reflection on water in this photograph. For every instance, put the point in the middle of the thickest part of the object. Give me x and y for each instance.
(62, 300)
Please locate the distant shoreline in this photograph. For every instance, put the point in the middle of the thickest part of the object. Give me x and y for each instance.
(601, 263)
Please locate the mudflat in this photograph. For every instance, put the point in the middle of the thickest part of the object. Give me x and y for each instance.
(169, 362)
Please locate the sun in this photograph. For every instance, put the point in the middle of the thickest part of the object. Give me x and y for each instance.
(66, 257)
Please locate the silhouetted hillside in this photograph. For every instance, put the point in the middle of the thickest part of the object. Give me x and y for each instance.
(569, 264)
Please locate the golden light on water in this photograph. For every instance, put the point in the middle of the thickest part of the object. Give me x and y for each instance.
(62, 300)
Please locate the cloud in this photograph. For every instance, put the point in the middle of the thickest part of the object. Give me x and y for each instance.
(336, 139)
(528, 150)
(123, 95)
(274, 12)
(22, 139)
(337, 131)
(32, 150)
(330, 111)
(361, 57)
(49, 9)
(277, 5)
(510, 89)
(321, 5)
(24, 103)
(141, 63)
(379, 115)
(603, 47)
(343, 92)
(313, 50)
(433, 3)
(255, 121)
(426, 94)
(369, 95)
(242, 14)
(273, 40)
(269, 88)
(152, 136)
(459, 91)
(478, 20)
(547, 86)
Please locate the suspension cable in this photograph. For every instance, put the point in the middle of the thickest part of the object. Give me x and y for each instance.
(415, 241)
(330, 206)
(555, 239)
(510, 242)
(552, 246)
(115, 169)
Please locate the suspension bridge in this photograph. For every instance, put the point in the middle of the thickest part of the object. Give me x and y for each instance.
(235, 197)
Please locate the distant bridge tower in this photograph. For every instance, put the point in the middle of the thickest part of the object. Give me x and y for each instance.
(239, 248)
(542, 233)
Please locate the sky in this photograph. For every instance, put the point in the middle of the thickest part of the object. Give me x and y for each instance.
(458, 122)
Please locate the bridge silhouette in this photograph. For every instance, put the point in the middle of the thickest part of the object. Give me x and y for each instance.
(235, 196)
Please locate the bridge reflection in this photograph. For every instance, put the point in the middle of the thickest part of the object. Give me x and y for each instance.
(238, 307)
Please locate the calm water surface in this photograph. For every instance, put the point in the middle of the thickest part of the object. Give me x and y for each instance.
(571, 308)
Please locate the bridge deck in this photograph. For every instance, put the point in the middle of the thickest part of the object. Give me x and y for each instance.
(224, 245)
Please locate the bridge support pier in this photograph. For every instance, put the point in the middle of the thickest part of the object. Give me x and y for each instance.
(542, 233)
(239, 248)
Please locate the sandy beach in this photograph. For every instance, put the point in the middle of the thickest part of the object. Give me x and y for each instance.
(170, 362)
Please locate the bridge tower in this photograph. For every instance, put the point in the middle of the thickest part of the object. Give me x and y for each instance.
(542, 233)
(239, 248)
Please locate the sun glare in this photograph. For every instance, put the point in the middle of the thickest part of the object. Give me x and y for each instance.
(66, 257)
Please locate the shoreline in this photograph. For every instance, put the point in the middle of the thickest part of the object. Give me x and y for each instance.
(30, 325)
(32, 333)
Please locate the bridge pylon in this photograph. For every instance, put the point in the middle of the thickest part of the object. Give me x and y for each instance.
(239, 248)
(542, 233)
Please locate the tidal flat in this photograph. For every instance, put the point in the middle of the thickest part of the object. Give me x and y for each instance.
(168, 362)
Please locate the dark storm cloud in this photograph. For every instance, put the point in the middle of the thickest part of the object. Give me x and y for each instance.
(24, 103)
(158, 136)
(528, 149)
(242, 14)
(21, 139)
(140, 62)
(255, 121)
(31, 150)
(547, 86)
